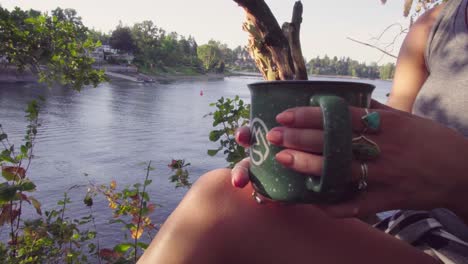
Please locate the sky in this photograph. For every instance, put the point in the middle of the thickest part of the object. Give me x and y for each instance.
(324, 30)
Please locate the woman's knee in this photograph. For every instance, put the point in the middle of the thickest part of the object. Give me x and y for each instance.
(212, 183)
(214, 191)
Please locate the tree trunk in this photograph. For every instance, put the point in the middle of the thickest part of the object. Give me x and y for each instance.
(277, 52)
(292, 32)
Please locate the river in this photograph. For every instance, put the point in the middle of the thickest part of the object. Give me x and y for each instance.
(108, 131)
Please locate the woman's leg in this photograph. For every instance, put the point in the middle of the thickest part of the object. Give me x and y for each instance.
(217, 223)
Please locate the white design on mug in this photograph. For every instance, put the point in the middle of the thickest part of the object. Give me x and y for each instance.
(261, 147)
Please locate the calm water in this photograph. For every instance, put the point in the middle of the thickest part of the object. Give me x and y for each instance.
(107, 132)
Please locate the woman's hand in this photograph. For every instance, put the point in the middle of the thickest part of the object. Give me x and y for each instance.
(422, 164)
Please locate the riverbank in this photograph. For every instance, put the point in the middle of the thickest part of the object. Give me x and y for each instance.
(143, 78)
(346, 77)
(10, 74)
(201, 77)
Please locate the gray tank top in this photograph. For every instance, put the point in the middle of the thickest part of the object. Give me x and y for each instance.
(444, 95)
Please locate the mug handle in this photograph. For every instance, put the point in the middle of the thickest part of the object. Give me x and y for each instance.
(337, 152)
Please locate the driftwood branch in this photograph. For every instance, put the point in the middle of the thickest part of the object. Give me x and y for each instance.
(268, 45)
(373, 46)
(292, 32)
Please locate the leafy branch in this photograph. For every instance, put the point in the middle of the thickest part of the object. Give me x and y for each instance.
(181, 174)
(230, 114)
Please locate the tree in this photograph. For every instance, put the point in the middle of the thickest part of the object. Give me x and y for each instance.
(387, 71)
(122, 39)
(276, 50)
(55, 47)
(210, 56)
(147, 38)
(98, 36)
(348, 67)
(71, 16)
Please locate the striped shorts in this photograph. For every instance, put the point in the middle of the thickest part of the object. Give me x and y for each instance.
(439, 233)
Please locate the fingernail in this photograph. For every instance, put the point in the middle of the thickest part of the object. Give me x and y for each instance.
(285, 158)
(275, 136)
(242, 138)
(285, 118)
(239, 183)
(239, 177)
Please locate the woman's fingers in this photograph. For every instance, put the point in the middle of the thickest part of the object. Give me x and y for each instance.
(311, 117)
(367, 202)
(309, 163)
(310, 140)
(302, 162)
(240, 173)
(301, 117)
(242, 136)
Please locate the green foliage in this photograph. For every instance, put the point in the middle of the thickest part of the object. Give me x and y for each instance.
(14, 167)
(230, 114)
(54, 46)
(122, 39)
(216, 56)
(98, 36)
(132, 208)
(347, 67)
(181, 175)
(387, 71)
(56, 238)
(53, 238)
(158, 51)
(209, 55)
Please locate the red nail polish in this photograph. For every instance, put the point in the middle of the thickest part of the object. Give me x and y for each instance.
(285, 118)
(275, 136)
(242, 138)
(285, 158)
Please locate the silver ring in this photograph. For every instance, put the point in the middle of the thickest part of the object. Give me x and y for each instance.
(257, 197)
(362, 184)
(364, 130)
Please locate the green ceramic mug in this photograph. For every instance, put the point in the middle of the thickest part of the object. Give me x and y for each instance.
(272, 180)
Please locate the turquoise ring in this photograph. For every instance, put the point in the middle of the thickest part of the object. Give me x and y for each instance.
(371, 121)
(364, 149)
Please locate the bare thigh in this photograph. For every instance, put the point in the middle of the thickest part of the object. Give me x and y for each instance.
(216, 223)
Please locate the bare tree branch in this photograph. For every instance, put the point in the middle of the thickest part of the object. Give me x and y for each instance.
(402, 30)
(373, 46)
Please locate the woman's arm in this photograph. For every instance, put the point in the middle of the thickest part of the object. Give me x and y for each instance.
(422, 164)
(411, 71)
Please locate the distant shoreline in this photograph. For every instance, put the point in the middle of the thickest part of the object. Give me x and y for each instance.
(174, 78)
(9, 74)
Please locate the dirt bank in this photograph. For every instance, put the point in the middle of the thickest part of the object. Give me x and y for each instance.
(9, 74)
